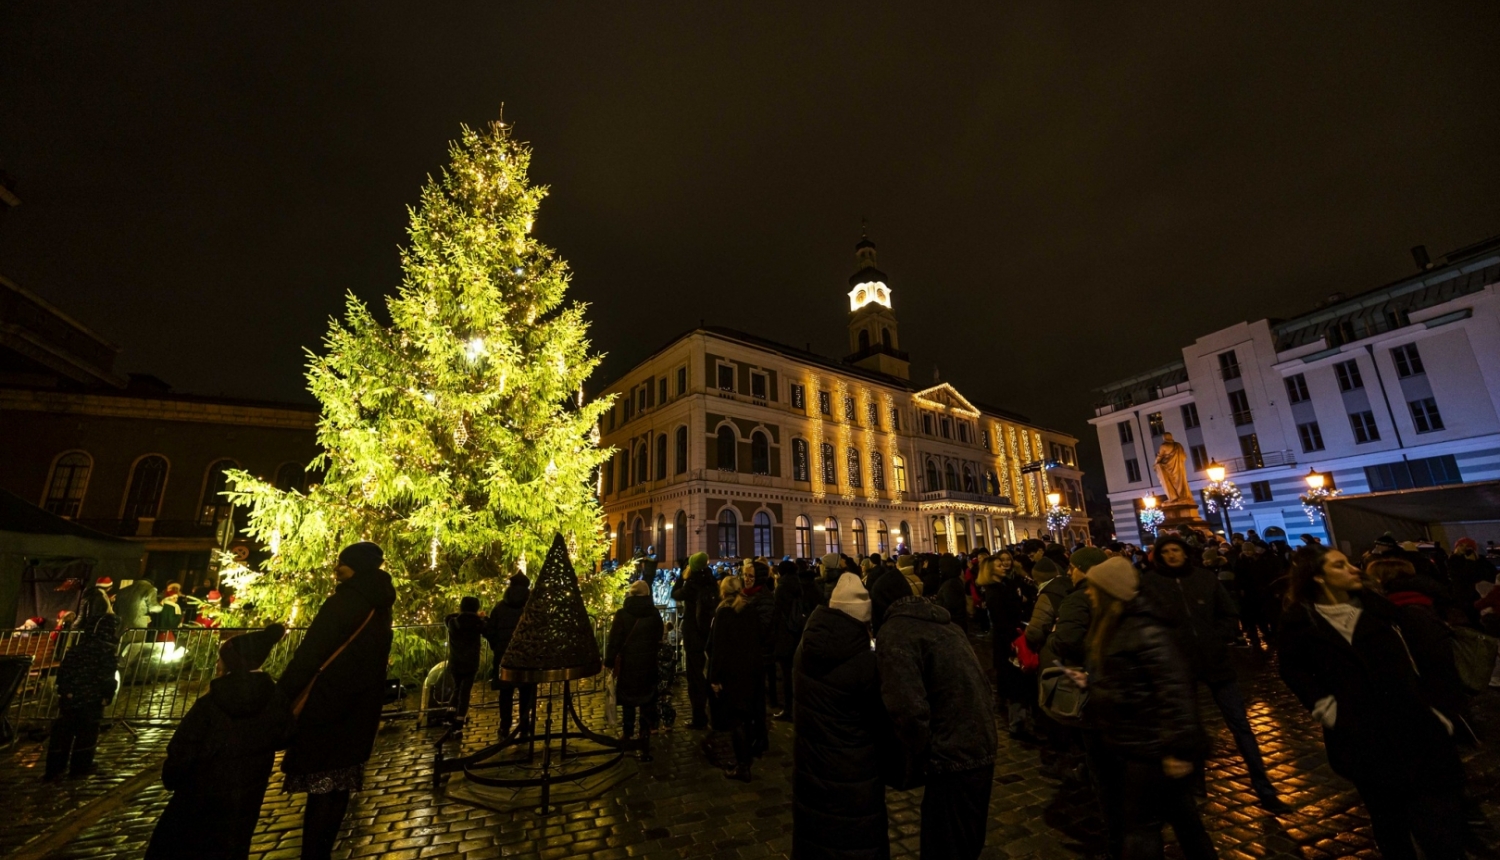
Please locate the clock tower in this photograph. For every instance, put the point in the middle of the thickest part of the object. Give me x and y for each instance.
(873, 340)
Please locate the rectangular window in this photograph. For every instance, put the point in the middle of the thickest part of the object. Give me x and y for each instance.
(984, 436)
(1200, 457)
(1190, 415)
(726, 377)
(1127, 433)
(1424, 414)
(1408, 360)
(661, 390)
(1363, 424)
(1250, 448)
(825, 403)
(1132, 470)
(800, 469)
(1157, 425)
(872, 410)
(1239, 405)
(799, 396)
(1260, 490)
(1411, 474)
(963, 431)
(851, 414)
(609, 420)
(682, 380)
(1311, 436)
(1348, 374)
(947, 426)
(1296, 388)
(927, 426)
(895, 419)
(640, 397)
(758, 385)
(1229, 366)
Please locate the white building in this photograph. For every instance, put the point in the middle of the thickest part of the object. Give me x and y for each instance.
(1394, 388)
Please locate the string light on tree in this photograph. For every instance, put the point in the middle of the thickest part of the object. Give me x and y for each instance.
(1151, 516)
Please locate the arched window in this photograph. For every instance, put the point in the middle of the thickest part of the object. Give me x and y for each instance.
(661, 456)
(904, 538)
(852, 467)
(679, 550)
(642, 465)
(762, 534)
(898, 474)
(933, 482)
(659, 543)
(800, 469)
(729, 534)
(969, 485)
(939, 535)
(831, 536)
(877, 470)
(147, 481)
(804, 537)
(864, 340)
(830, 468)
(638, 536)
(682, 451)
(950, 477)
(69, 480)
(624, 468)
(857, 528)
(622, 552)
(885, 337)
(882, 538)
(725, 448)
(215, 507)
(760, 453)
(961, 534)
(291, 476)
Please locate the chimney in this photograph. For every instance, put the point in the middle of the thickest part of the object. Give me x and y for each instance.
(1419, 254)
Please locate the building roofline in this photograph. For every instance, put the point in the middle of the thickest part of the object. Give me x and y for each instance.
(58, 312)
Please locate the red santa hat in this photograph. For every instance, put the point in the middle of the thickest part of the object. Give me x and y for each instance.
(104, 582)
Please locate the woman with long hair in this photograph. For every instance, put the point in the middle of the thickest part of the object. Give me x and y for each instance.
(1343, 653)
(1009, 595)
(735, 672)
(1141, 706)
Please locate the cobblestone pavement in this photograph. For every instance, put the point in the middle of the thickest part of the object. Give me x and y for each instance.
(678, 806)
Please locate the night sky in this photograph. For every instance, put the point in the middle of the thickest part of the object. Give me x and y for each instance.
(1062, 196)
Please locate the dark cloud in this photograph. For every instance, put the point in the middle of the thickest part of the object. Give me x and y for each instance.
(1061, 194)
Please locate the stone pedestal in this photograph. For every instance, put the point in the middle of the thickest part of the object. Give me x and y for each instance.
(1183, 515)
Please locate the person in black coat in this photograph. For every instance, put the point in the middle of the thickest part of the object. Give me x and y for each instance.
(838, 789)
(1342, 653)
(498, 629)
(736, 674)
(219, 760)
(789, 618)
(697, 595)
(952, 592)
(1141, 705)
(1427, 635)
(1009, 595)
(85, 684)
(759, 592)
(338, 674)
(465, 628)
(1205, 620)
(631, 653)
(939, 702)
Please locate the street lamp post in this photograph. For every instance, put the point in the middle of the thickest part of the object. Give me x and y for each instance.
(1214, 490)
(1054, 498)
(1314, 504)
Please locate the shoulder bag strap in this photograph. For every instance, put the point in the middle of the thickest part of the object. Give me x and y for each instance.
(301, 702)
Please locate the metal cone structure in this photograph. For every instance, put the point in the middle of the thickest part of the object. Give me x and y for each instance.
(553, 640)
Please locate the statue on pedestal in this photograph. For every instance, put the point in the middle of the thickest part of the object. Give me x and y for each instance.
(1171, 465)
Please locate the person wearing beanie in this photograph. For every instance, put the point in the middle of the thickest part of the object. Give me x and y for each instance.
(940, 704)
(220, 758)
(838, 800)
(498, 629)
(1205, 621)
(697, 596)
(465, 629)
(791, 614)
(630, 654)
(85, 684)
(1074, 612)
(736, 675)
(1143, 720)
(906, 565)
(1052, 588)
(96, 600)
(884, 591)
(336, 683)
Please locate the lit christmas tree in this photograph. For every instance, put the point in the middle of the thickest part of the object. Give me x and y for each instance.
(456, 438)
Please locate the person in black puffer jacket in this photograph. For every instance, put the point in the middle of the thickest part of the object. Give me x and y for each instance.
(85, 684)
(1009, 595)
(736, 674)
(630, 652)
(760, 593)
(220, 758)
(1427, 635)
(465, 628)
(791, 615)
(498, 629)
(697, 595)
(1204, 621)
(1141, 704)
(337, 724)
(887, 588)
(939, 701)
(952, 593)
(838, 791)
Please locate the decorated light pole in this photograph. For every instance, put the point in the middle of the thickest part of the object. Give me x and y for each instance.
(1221, 494)
(1057, 517)
(1151, 515)
(1318, 492)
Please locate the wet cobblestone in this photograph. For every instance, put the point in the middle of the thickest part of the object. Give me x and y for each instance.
(678, 806)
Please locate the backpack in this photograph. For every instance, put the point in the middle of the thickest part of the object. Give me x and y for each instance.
(1060, 698)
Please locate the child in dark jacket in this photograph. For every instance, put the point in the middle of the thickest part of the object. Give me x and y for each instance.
(85, 684)
(465, 629)
(219, 760)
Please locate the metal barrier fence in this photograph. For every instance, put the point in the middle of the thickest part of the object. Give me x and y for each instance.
(161, 676)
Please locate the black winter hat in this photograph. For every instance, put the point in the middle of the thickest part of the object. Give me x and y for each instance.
(247, 651)
(468, 604)
(362, 557)
(1165, 541)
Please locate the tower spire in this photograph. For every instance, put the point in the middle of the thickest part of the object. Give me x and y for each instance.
(873, 341)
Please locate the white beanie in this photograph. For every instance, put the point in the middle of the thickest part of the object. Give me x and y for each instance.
(851, 598)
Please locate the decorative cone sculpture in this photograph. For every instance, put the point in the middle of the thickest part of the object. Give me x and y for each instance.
(553, 640)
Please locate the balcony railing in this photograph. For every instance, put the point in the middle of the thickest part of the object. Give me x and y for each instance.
(962, 496)
(1265, 460)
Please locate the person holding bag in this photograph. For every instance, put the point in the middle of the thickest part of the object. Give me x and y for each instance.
(337, 684)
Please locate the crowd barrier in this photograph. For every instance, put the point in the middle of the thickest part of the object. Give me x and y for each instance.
(161, 675)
